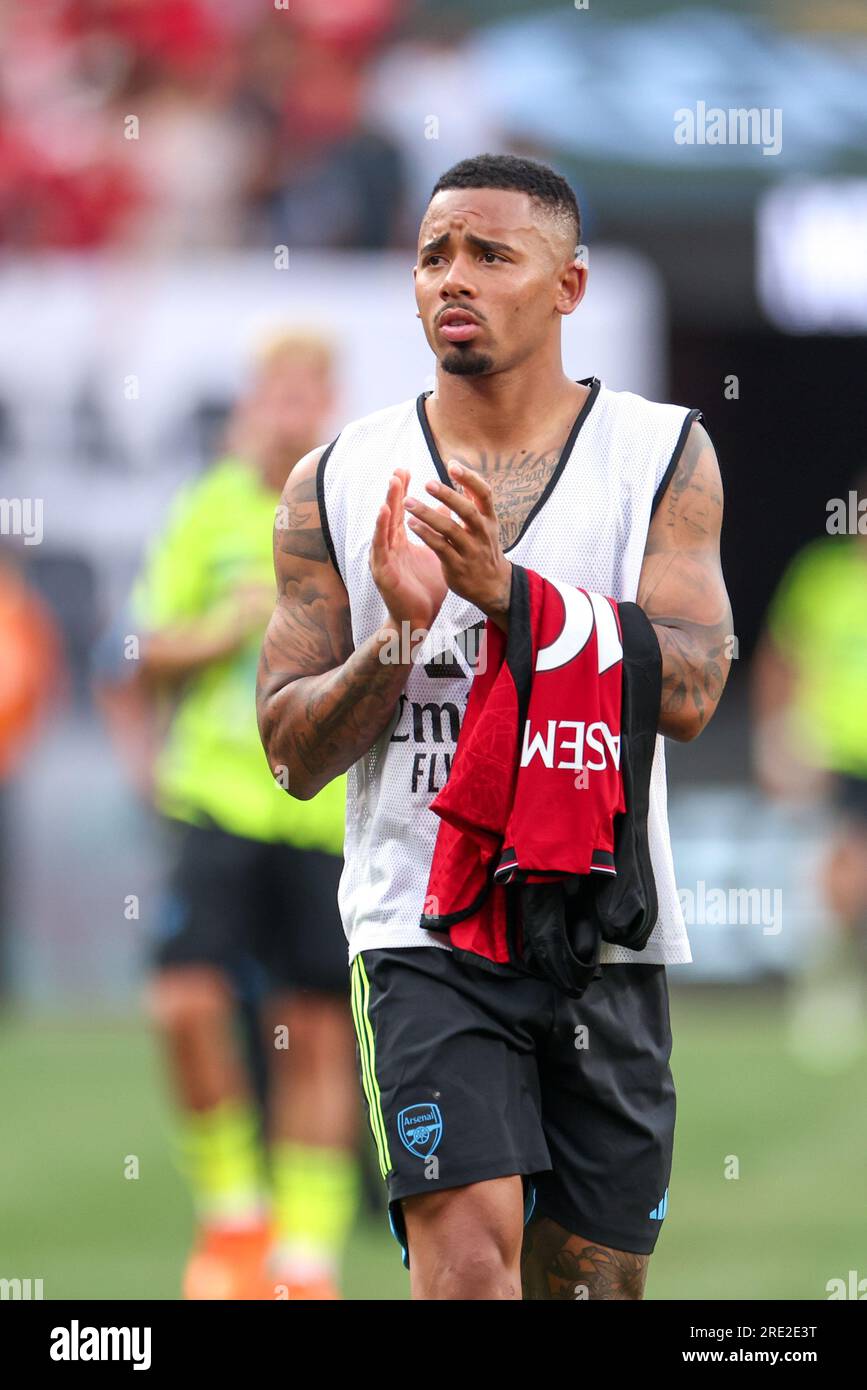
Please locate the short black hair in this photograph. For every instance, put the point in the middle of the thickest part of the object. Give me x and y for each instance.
(512, 171)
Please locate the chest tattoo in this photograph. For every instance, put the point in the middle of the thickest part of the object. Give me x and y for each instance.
(517, 481)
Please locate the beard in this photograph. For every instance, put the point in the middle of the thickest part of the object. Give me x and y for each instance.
(466, 362)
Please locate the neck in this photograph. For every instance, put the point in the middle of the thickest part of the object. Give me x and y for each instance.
(497, 409)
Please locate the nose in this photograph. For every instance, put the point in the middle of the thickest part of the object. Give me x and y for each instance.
(458, 282)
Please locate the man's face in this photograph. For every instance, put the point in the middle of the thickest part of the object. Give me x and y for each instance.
(493, 276)
(289, 402)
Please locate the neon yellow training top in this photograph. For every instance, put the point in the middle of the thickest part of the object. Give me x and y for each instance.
(818, 619)
(213, 765)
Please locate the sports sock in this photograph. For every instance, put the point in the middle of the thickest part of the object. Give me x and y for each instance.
(315, 1193)
(220, 1153)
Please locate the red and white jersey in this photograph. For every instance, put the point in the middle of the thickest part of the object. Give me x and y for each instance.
(537, 783)
(588, 529)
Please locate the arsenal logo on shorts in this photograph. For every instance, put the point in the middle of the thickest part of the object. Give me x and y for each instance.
(420, 1128)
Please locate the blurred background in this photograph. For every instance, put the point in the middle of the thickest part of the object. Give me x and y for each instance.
(178, 177)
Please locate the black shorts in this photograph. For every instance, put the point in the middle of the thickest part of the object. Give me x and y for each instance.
(265, 913)
(469, 1075)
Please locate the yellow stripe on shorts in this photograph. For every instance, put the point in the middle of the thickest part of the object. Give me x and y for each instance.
(367, 1051)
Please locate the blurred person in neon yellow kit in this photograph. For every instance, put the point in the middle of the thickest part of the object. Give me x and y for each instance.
(810, 748)
(254, 885)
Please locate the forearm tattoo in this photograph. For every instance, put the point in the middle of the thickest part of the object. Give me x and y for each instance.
(321, 704)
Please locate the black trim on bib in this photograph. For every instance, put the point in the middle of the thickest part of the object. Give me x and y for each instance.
(519, 659)
(519, 648)
(593, 382)
(679, 447)
(320, 499)
(441, 923)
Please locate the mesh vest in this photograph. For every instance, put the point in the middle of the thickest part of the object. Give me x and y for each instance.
(588, 528)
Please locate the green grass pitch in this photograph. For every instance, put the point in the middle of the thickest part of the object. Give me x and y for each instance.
(78, 1097)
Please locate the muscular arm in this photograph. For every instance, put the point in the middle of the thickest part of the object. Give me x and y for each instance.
(321, 703)
(682, 591)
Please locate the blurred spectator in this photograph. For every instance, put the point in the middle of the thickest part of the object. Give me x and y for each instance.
(810, 746)
(63, 176)
(294, 122)
(351, 25)
(251, 914)
(425, 93)
(811, 676)
(176, 124)
(30, 673)
(334, 180)
(31, 665)
(191, 157)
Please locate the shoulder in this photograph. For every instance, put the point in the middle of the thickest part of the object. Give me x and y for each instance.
(652, 436)
(376, 431)
(662, 445)
(303, 473)
(687, 508)
(631, 409)
(376, 426)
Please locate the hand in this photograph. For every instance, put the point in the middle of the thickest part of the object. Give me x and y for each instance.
(248, 609)
(409, 577)
(469, 549)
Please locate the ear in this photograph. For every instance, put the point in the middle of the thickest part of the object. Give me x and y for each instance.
(573, 284)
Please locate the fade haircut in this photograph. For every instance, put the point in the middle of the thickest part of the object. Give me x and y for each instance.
(510, 171)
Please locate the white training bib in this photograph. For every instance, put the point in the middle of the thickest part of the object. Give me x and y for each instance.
(588, 528)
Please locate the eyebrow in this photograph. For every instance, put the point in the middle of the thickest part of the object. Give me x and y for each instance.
(483, 245)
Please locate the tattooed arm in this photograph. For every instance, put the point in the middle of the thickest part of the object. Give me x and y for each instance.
(321, 703)
(682, 591)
